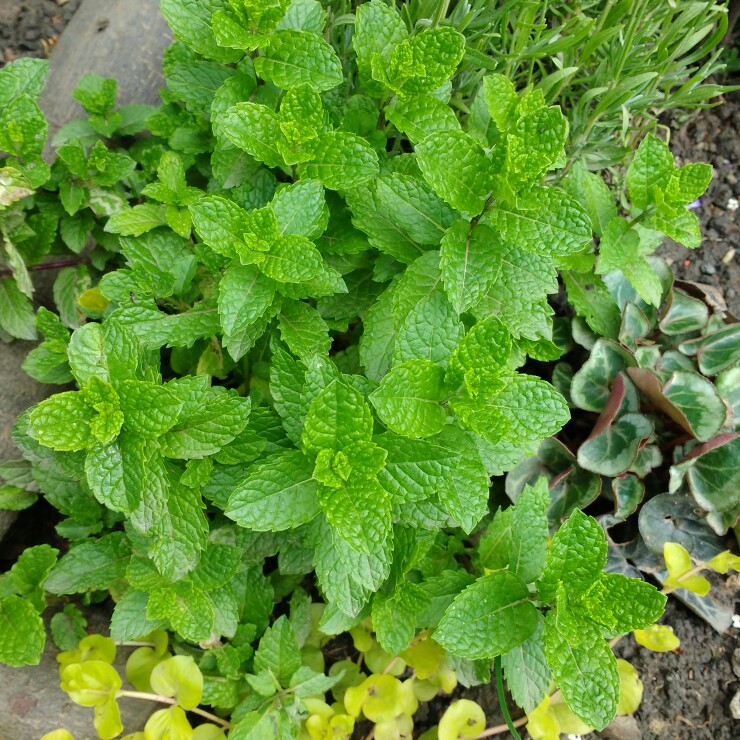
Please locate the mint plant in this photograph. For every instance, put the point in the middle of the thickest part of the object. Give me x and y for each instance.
(323, 278)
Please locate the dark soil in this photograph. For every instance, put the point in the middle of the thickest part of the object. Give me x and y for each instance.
(687, 693)
(30, 28)
(712, 136)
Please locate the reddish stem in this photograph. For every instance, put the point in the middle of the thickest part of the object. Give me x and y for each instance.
(58, 265)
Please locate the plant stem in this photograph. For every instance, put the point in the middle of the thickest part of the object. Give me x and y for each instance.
(502, 698)
(169, 700)
(498, 729)
(46, 266)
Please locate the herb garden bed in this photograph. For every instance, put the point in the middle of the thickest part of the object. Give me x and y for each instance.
(687, 692)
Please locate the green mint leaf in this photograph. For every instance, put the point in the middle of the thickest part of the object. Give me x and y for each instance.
(161, 260)
(470, 259)
(129, 620)
(529, 531)
(255, 128)
(22, 77)
(118, 472)
(678, 224)
(23, 633)
(489, 618)
(96, 94)
(584, 668)
(527, 673)
(23, 130)
(278, 494)
(521, 408)
(341, 161)
(414, 468)
(62, 422)
(304, 15)
(93, 565)
(337, 417)
(292, 259)
(414, 207)
(301, 209)
(481, 355)
(687, 183)
(306, 682)
(278, 651)
(494, 546)
(244, 295)
(29, 571)
(220, 223)
(137, 220)
(190, 21)
(619, 249)
(467, 185)
(545, 220)
(195, 82)
(378, 30)
(188, 610)
(303, 330)
(501, 100)
(535, 143)
(348, 577)
(16, 311)
(292, 58)
(148, 409)
(592, 300)
(180, 530)
(649, 173)
(68, 627)
(420, 115)
(359, 510)
(465, 492)
(107, 351)
(408, 399)
(593, 194)
(517, 297)
(155, 329)
(442, 590)
(621, 604)
(425, 61)
(204, 429)
(576, 557)
(383, 233)
(286, 388)
(394, 616)
(430, 332)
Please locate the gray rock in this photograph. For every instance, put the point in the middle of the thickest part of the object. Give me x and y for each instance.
(622, 728)
(112, 38)
(708, 268)
(736, 662)
(17, 394)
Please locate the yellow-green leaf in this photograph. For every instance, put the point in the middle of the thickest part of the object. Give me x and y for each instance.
(658, 637)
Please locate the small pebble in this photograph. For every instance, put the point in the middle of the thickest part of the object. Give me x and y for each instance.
(736, 662)
(708, 268)
(735, 706)
(732, 204)
(729, 254)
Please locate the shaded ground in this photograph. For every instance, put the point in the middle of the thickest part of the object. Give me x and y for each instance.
(32, 27)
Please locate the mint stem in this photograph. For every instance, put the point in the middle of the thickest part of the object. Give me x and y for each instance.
(58, 265)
